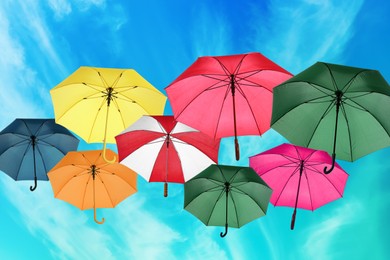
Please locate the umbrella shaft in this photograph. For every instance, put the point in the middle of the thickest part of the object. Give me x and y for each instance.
(33, 139)
(299, 184)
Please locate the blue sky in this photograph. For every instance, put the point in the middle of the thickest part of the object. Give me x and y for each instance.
(42, 42)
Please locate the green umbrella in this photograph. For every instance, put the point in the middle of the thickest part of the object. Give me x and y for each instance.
(342, 110)
(226, 196)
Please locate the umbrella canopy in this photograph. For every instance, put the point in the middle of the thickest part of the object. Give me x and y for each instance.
(335, 108)
(99, 103)
(85, 180)
(226, 196)
(160, 149)
(29, 148)
(295, 175)
(227, 95)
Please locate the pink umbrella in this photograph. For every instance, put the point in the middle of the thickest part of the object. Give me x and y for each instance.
(282, 169)
(227, 95)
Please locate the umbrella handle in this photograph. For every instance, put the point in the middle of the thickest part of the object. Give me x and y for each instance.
(293, 220)
(32, 188)
(326, 171)
(94, 217)
(104, 154)
(237, 147)
(165, 189)
(226, 230)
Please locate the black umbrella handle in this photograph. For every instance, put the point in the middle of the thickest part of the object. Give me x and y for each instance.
(293, 219)
(32, 188)
(326, 171)
(339, 95)
(33, 142)
(227, 188)
(226, 230)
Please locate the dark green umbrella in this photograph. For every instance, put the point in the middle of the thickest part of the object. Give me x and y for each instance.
(342, 110)
(226, 196)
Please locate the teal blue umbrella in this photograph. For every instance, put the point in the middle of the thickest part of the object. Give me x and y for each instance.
(29, 148)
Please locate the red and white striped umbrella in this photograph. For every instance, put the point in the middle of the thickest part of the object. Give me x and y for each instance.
(160, 149)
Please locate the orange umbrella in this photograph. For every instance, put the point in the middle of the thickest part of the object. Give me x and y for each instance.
(86, 180)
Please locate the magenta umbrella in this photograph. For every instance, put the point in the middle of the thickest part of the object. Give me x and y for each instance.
(295, 174)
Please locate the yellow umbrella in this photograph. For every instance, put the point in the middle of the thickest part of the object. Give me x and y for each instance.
(99, 103)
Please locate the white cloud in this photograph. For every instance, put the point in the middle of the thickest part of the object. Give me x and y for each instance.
(304, 32)
(16, 78)
(322, 236)
(202, 245)
(60, 8)
(84, 5)
(211, 33)
(143, 234)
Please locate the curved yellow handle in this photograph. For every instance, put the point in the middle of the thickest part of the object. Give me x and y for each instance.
(104, 154)
(94, 217)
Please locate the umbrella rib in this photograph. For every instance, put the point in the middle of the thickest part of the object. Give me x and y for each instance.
(247, 74)
(41, 142)
(364, 93)
(92, 86)
(210, 76)
(105, 187)
(96, 116)
(279, 166)
(326, 112)
(28, 129)
(43, 161)
(24, 155)
(235, 207)
(85, 191)
(215, 182)
(356, 107)
(102, 79)
(40, 127)
(332, 184)
(308, 186)
(372, 116)
(220, 113)
(224, 69)
(215, 204)
(284, 186)
(332, 77)
(87, 160)
(14, 145)
(80, 166)
(119, 111)
(220, 170)
(254, 84)
(250, 107)
(235, 175)
(318, 87)
(192, 100)
(349, 83)
(77, 102)
(243, 192)
(117, 79)
(77, 175)
(239, 64)
(290, 158)
(216, 86)
(132, 101)
(349, 129)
